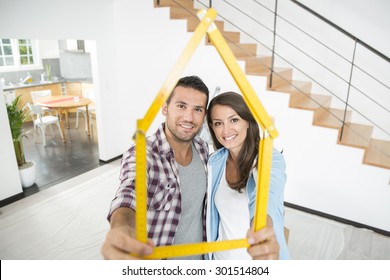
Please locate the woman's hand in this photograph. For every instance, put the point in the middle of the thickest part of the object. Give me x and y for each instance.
(264, 245)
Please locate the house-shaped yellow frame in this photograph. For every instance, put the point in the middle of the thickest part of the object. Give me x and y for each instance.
(265, 146)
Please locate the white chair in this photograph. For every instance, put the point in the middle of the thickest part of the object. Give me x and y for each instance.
(9, 97)
(36, 95)
(82, 110)
(41, 122)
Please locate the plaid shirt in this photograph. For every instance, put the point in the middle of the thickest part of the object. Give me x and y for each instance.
(164, 198)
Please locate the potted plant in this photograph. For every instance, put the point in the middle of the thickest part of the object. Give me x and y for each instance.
(16, 116)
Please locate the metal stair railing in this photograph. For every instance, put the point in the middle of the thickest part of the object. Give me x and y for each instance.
(382, 108)
(272, 47)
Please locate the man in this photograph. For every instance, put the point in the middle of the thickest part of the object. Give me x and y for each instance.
(176, 169)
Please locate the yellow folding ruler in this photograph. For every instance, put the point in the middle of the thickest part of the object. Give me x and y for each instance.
(206, 25)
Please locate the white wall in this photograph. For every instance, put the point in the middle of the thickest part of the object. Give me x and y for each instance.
(10, 181)
(49, 49)
(134, 55)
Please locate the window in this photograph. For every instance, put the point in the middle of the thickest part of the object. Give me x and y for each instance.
(6, 57)
(25, 52)
(18, 54)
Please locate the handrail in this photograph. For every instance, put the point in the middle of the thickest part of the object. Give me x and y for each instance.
(330, 70)
(348, 91)
(273, 45)
(345, 33)
(342, 30)
(367, 46)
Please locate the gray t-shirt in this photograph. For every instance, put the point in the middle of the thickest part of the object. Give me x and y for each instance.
(193, 190)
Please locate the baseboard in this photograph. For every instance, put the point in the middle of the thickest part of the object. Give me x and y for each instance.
(110, 160)
(337, 219)
(11, 199)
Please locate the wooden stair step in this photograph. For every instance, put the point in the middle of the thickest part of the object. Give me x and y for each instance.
(230, 37)
(309, 101)
(295, 87)
(242, 51)
(355, 135)
(258, 65)
(192, 24)
(331, 118)
(177, 12)
(171, 3)
(378, 153)
(280, 77)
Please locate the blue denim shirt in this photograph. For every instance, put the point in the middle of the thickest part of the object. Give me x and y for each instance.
(217, 164)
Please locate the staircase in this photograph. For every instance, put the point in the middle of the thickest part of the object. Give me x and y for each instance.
(376, 151)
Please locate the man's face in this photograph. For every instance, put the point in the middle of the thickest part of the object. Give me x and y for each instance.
(184, 114)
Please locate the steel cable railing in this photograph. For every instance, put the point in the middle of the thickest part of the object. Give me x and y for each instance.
(277, 38)
(349, 83)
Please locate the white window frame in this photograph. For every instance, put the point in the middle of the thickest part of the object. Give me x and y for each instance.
(16, 55)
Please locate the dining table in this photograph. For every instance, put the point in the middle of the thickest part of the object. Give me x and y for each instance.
(62, 104)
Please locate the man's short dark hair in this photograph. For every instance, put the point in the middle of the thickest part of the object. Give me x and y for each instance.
(193, 82)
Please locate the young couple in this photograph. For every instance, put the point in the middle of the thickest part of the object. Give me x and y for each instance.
(193, 197)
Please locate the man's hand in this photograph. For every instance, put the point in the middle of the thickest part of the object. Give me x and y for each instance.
(120, 243)
(264, 245)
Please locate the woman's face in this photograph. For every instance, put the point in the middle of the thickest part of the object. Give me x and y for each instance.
(229, 128)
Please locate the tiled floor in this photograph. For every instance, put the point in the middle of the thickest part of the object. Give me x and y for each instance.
(57, 161)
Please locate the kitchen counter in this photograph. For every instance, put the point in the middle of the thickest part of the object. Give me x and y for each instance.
(35, 84)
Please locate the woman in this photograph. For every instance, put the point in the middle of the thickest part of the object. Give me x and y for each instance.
(232, 182)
